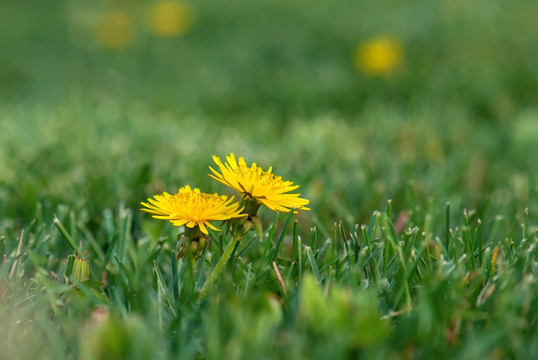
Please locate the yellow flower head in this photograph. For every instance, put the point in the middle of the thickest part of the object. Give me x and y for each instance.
(169, 18)
(192, 208)
(115, 31)
(378, 56)
(253, 183)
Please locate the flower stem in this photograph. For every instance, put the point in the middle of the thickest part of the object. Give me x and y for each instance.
(220, 265)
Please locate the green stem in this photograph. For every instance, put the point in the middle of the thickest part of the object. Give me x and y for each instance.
(220, 265)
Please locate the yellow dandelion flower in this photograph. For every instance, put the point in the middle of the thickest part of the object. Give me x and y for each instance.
(192, 208)
(115, 31)
(258, 185)
(169, 18)
(378, 56)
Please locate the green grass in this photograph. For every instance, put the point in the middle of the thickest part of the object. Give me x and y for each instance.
(419, 278)
(422, 238)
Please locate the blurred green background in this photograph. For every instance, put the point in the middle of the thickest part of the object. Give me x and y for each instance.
(109, 102)
(106, 103)
(280, 56)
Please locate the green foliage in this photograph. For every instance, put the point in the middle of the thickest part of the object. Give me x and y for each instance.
(346, 319)
(119, 338)
(422, 240)
(371, 291)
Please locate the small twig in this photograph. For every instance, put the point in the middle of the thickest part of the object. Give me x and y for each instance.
(279, 277)
(394, 314)
(15, 263)
(13, 267)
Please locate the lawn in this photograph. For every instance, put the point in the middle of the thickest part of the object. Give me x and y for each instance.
(410, 127)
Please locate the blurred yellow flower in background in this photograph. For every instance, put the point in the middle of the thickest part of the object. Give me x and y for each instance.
(169, 18)
(379, 55)
(115, 30)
